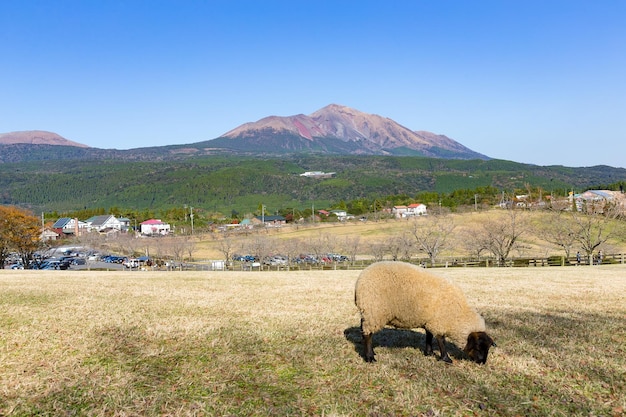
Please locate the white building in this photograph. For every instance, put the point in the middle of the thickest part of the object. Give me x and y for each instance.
(154, 227)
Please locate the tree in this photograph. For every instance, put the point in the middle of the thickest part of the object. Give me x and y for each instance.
(592, 231)
(431, 234)
(226, 245)
(351, 245)
(560, 230)
(500, 236)
(19, 232)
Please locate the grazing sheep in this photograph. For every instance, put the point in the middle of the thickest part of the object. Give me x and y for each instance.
(406, 296)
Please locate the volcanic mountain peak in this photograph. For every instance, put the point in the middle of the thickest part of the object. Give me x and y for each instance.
(37, 137)
(341, 129)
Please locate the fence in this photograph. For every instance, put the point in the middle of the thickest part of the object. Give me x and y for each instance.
(607, 259)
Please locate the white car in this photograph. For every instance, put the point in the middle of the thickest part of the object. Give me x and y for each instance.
(131, 263)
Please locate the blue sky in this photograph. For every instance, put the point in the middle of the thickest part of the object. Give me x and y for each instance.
(540, 82)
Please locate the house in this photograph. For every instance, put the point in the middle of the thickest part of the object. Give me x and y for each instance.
(125, 221)
(399, 211)
(596, 200)
(103, 223)
(48, 235)
(154, 227)
(412, 210)
(342, 214)
(416, 209)
(69, 226)
(270, 220)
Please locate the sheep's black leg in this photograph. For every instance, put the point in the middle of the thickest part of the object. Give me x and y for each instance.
(428, 349)
(369, 349)
(441, 340)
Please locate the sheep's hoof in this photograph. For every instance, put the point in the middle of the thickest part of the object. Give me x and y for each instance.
(370, 359)
(447, 360)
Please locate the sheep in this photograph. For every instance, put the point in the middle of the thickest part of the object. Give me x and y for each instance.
(406, 296)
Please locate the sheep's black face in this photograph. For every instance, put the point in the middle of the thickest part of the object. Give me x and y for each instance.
(477, 348)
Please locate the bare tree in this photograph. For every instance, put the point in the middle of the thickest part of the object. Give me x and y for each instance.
(473, 245)
(592, 231)
(407, 245)
(378, 250)
(394, 247)
(500, 236)
(321, 245)
(559, 229)
(292, 248)
(190, 247)
(259, 246)
(351, 244)
(431, 234)
(127, 243)
(226, 246)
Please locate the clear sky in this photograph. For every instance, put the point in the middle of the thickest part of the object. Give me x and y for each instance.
(540, 82)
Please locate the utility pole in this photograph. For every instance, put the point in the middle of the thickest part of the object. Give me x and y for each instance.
(191, 217)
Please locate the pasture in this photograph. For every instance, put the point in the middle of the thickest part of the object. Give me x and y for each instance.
(288, 343)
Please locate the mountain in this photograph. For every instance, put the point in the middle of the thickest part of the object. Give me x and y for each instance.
(36, 137)
(337, 129)
(332, 130)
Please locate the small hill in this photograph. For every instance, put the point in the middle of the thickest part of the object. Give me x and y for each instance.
(37, 137)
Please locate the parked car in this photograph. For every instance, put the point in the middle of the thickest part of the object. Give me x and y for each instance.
(52, 264)
(244, 258)
(17, 265)
(276, 260)
(113, 259)
(131, 263)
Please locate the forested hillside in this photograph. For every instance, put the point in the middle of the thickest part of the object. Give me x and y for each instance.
(236, 183)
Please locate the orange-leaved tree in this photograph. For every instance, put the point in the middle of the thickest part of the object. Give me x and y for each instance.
(19, 232)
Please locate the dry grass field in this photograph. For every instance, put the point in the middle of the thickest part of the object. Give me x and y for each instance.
(288, 343)
(372, 232)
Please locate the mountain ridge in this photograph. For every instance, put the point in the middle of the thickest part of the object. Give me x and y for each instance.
(334, 129)
(355, 132)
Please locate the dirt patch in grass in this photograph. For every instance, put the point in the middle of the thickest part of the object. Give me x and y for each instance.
(276, 343)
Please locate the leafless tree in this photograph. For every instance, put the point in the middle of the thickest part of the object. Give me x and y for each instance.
(394, 247)
(128, 244)
(502, 235)
(292, 249)
(431, 234)
(473, 245)
(226, 246)
(592, 231)
(190, 247)
(351, 245)
(259, 245)
(559, 229)
(400, 247)
(378, 250)
(321, 245)
(91, 240)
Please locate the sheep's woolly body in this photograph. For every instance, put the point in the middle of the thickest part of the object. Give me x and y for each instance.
(406, 296)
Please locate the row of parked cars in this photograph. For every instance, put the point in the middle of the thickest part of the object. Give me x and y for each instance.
(63, 259)
(278, 260)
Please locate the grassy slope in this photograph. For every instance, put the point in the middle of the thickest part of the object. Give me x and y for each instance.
(156, 343)
(372, 232)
